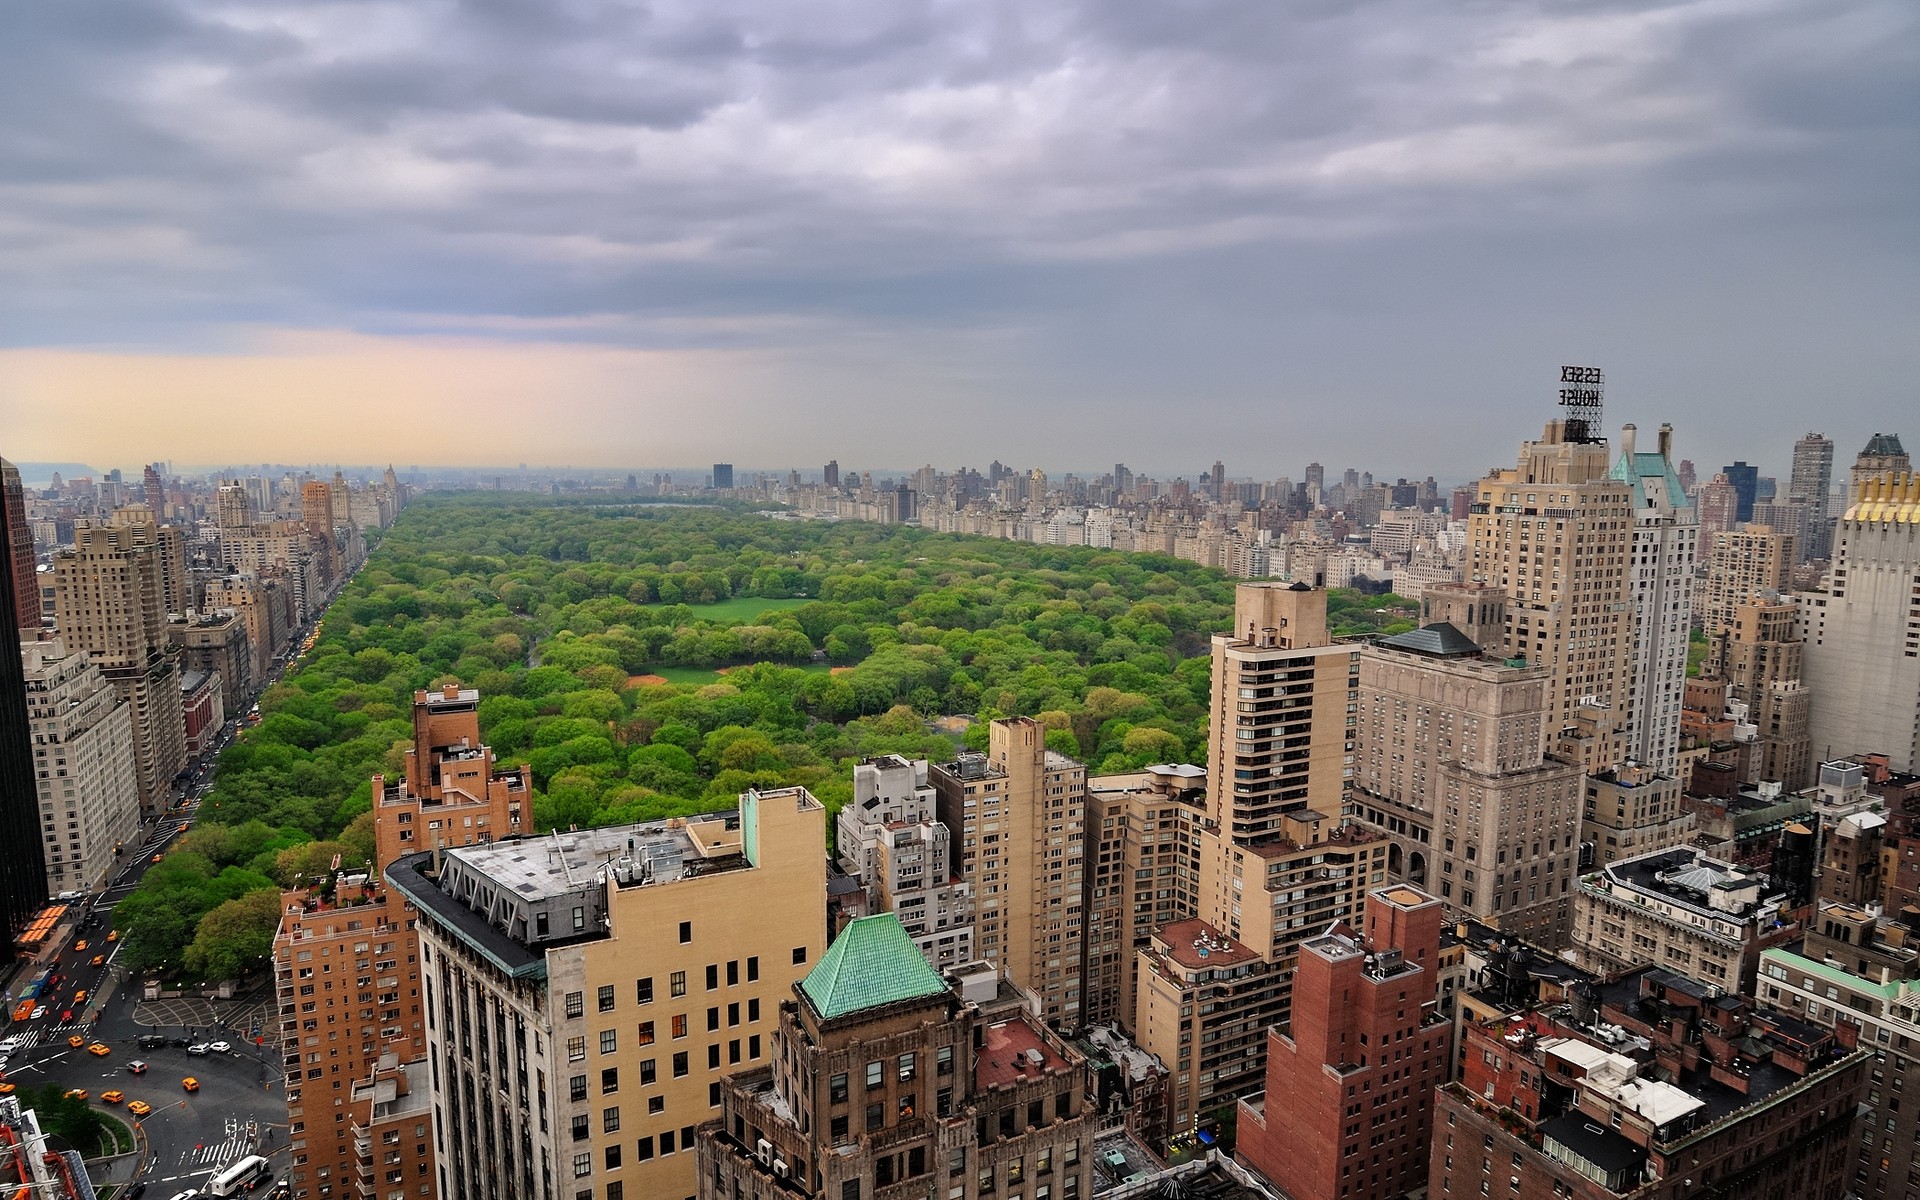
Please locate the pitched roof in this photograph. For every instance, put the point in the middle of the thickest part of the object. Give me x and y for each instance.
(1440, 639)
(873, 962)
(1884, 444)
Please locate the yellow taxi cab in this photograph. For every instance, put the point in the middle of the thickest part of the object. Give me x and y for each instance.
(139, 1108)
(99, 1049)
(6, 1089)
(113, 1097)
(190, 1083)
(76, 1093)
(113, 935)
(99, 960)
(76, 1041)
(80, 997)
(80, 945)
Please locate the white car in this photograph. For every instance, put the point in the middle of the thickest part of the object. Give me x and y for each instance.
(219, 1047)
(197, 1048)
(39, 1010)
(9, 1045)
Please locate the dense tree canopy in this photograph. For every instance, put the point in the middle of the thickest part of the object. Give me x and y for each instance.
(648, 661)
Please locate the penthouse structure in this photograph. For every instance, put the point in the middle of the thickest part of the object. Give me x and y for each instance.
(587, 993)
(1655, 1087)
(885, 1081)
(1683, 909)
(892, 840)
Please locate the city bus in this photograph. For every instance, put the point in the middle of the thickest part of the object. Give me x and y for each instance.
(243, 1176)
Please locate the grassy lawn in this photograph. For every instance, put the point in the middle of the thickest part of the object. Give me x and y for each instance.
(707, 675)
(115, 1137)
(742, 609)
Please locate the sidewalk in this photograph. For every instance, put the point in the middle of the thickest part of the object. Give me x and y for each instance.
(252, 1013)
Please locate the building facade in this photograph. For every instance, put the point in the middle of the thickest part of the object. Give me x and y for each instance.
(1666, 549)
(1143, 857)
(1684, 910)
(588, 993)
(892, 840)
(1761, 656)
(1754, 562)
(1811, 484)
(83, 755)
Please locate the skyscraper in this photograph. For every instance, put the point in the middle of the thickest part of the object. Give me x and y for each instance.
(1557, 533)
(1862, 653)
(1811, 483)
(23, 870)
(1745, 479)
(1718, 504)
(110, 594)
(1761, 656)
(89, 798)
(1742, 565)
(722, 476)
(1217, 480)
(24, 578)
(1666, 545)
(831, 475)
(232, 507)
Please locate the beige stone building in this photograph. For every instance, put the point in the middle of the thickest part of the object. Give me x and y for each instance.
(886, 1081)
(111, 602)
(1018, 815)
(1556, 533)
(1682, 910)
(216, 642)
(1749, 563)
(1143, 857)
(588, 993)
(1453, 768)
(1760, 655)
(1633, 810)
(82, 734)
(1206, 1002)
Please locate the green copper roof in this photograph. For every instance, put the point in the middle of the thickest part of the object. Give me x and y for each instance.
(873, 962)
(1440, 640)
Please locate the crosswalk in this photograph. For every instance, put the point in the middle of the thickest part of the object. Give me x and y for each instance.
(43, 1033)
(236, 1145)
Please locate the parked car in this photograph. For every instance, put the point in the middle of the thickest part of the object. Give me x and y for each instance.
(152, 1041)
(220, 1047)
(198, 1048)
(179, 1043)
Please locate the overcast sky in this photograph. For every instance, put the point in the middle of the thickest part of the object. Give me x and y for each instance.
(1053, 233)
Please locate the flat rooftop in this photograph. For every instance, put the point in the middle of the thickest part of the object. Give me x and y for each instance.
(557, 863)
(1194, 943)
(1009, 1053)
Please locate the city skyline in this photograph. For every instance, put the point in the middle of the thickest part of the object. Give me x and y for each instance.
(744, 233)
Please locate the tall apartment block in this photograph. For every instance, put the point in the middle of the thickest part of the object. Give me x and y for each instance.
(1811, 484)
(1655, 1086)
(884, 1081)
(891, 839)
(23, 873)
(170, 547)
(355, 1052)
(588, 993)
(1453, 768)
(1018, 815)
(1862, 652)
(111, 597)
(216, 642)
(1143, 859)
(1350, 1078)
(83, 755)
(1557, 533)
(1761, 656)
(1666, 546)
(22, 575)
(1743, 564)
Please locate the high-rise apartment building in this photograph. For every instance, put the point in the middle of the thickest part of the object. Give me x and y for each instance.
(1453, 767)
(1143, 860)
(216, 642)
(83, 755)
(1811, 484)
(23, 875)
(1018, 815)
(891, 839)
(1666, 546)
(1719, 506)
(356, 1053)
(1744, 564)
(1862, 652)
(588, 993)
(1760, 655)
(1350, 1077)
(1557, 532)
(266, 611)
(884, 1081)
(110, 596)
(23, 576)
(722, 476)
(170, 547)
(1883, 456)
(233, 508)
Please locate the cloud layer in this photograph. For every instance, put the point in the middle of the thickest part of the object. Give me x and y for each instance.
(1017, 230)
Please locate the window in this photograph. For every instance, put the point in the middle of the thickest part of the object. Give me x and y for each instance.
(647, 1072)
(666, 1142)
(837, 1089)
(713, 976)
(579, 919)
(753, 1009)
(576, 1048)
(613, 1157)
(643, 1150)
(646, 1033)
(656, 1105)
(582, 1127)
(606, 997)
(713, 1057)
(576, 1003)
(686, 932)
(799, 955)
(837, 1129)
(713, 1019)
(610, 1120)
(616, 1191)
(577, 1088)
(943, 1061)
(680, 1065)
(907, 1064)
(643, 990)
(609, 1041)
(609, 1080)
(677, 983)
(733, 972)
(876, 1074)
(680, 1025)
(876, 1116)
(850, 1189)
(583, 1164)
(753, 968)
